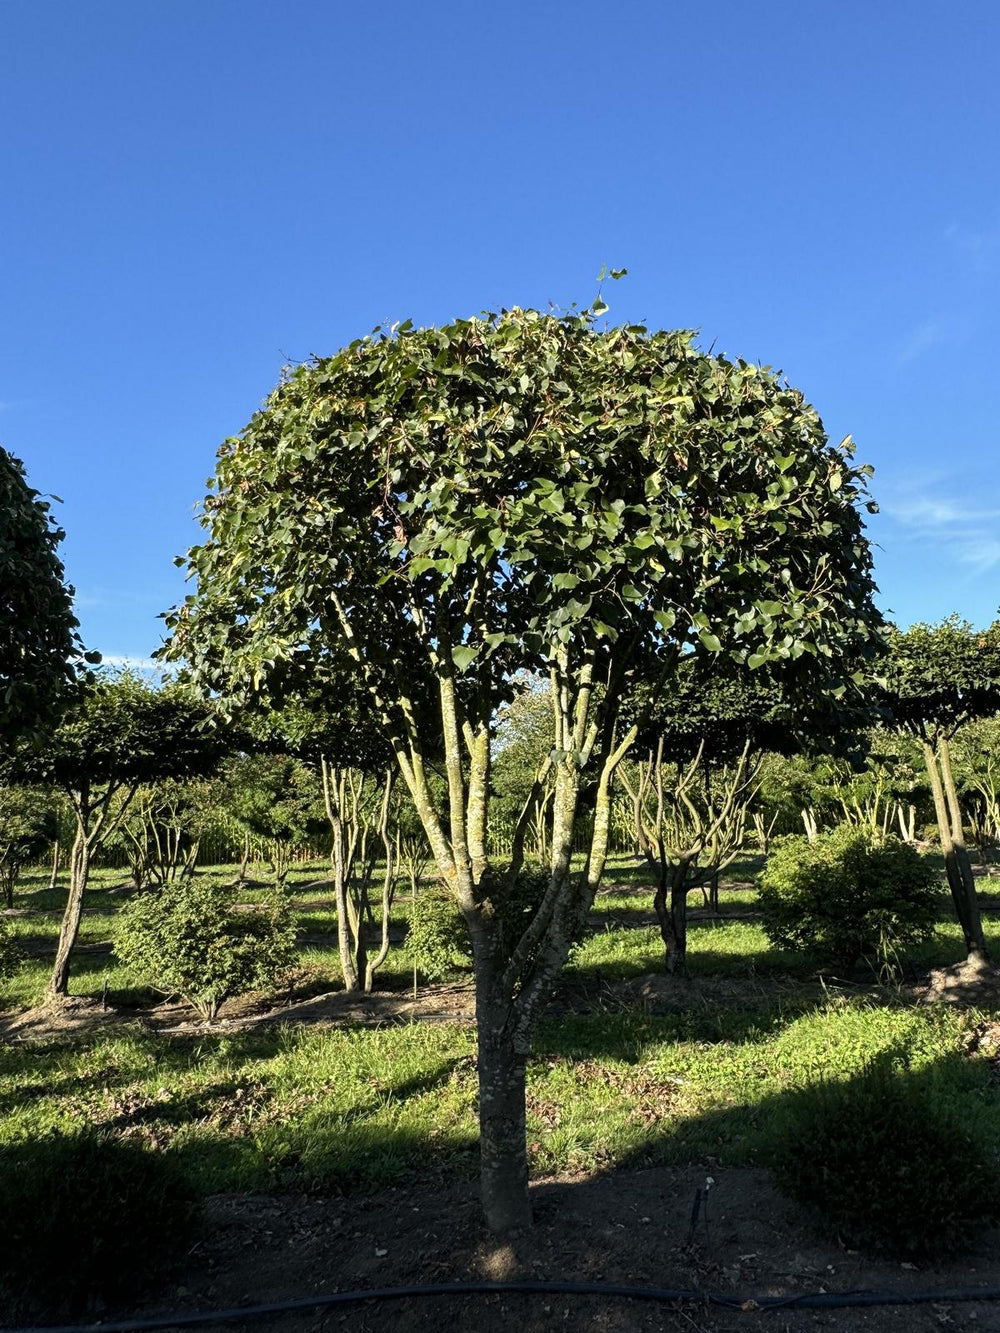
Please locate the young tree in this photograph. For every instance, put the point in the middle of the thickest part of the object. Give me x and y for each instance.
(120, 734)
(523, 493)
(936, 678)
(38, 639)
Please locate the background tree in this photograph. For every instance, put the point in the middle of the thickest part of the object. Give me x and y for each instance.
(277, 803)
(523, 493)
(935, 679)
(39, 645)
(120, 734)
(28, 826)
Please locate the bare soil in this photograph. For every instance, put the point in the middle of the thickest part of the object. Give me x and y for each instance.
(626, 1228)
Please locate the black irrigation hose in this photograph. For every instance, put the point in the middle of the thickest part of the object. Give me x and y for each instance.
(807, 1301)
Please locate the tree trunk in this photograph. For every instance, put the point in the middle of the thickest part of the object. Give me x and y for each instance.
(502, 1120)
(54, 877)
(963, 890)
(79, 869)
(964, 864)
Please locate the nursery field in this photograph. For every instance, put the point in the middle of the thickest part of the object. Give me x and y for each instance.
(306, 1094)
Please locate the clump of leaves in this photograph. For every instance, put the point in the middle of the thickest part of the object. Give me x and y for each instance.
(437, 942)
(887, 1166)
(191, 938)
(851, 893)
(11, 957)
(87, 1218)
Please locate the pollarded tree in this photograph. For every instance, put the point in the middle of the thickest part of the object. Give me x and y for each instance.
(936, 678)
(117, 736)
(523, 493)
(38, 639)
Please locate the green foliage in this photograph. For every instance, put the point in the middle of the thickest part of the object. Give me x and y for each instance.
(521, 904)
(28, 824)
(596, 481)
(276, 799)
(437, 942)
(191, 938)
(11, 958)
(852, 892)
(122, 732)
(86, 1218)
(938, 676)
(38, 639)
(886, 1164)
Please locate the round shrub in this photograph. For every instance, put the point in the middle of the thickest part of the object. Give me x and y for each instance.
(886, 1166)
(437, 942)
(86, 1218)
(852, 893)
(190, 937)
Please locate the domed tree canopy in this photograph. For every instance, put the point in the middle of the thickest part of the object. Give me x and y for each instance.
(38, 639)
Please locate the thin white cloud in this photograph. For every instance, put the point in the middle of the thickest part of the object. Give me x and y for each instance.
(959, 531)
(142, 664)
(929, 333)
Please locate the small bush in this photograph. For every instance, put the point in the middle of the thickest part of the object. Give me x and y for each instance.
(191, 938)
(852, 893)
(437, 942)
(11, 958)
(886, 1165)
(86, 1218)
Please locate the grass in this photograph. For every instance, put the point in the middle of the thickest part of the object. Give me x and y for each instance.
(344, 1109)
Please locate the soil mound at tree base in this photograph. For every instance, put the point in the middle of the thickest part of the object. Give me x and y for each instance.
(973, 984)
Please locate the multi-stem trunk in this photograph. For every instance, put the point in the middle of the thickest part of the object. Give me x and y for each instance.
(956, 859)
(670, 904)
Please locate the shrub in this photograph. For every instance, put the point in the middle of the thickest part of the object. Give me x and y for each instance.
(191, 938)
(437, 942)
(852, 893)
(887, 1166)
(86, 1218)
(11, 957)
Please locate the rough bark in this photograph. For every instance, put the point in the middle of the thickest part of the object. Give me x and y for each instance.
(70, 928)
(962, 886)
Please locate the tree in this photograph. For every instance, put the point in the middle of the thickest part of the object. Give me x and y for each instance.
(523, 493)
(38, 639)
(935, 679)
(28, 825)
(117, 736)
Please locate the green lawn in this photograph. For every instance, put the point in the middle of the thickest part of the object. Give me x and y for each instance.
(305, 1107)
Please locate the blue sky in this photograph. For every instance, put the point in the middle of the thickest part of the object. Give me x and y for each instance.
(195, 191)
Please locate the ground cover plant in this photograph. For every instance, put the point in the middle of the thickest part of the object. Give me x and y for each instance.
(88, 1217)
(888, 1162)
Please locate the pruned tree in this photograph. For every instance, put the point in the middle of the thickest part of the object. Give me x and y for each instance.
(693, 780)
(690, 824)
(120, 734)
(523, 493)
(935, 679)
